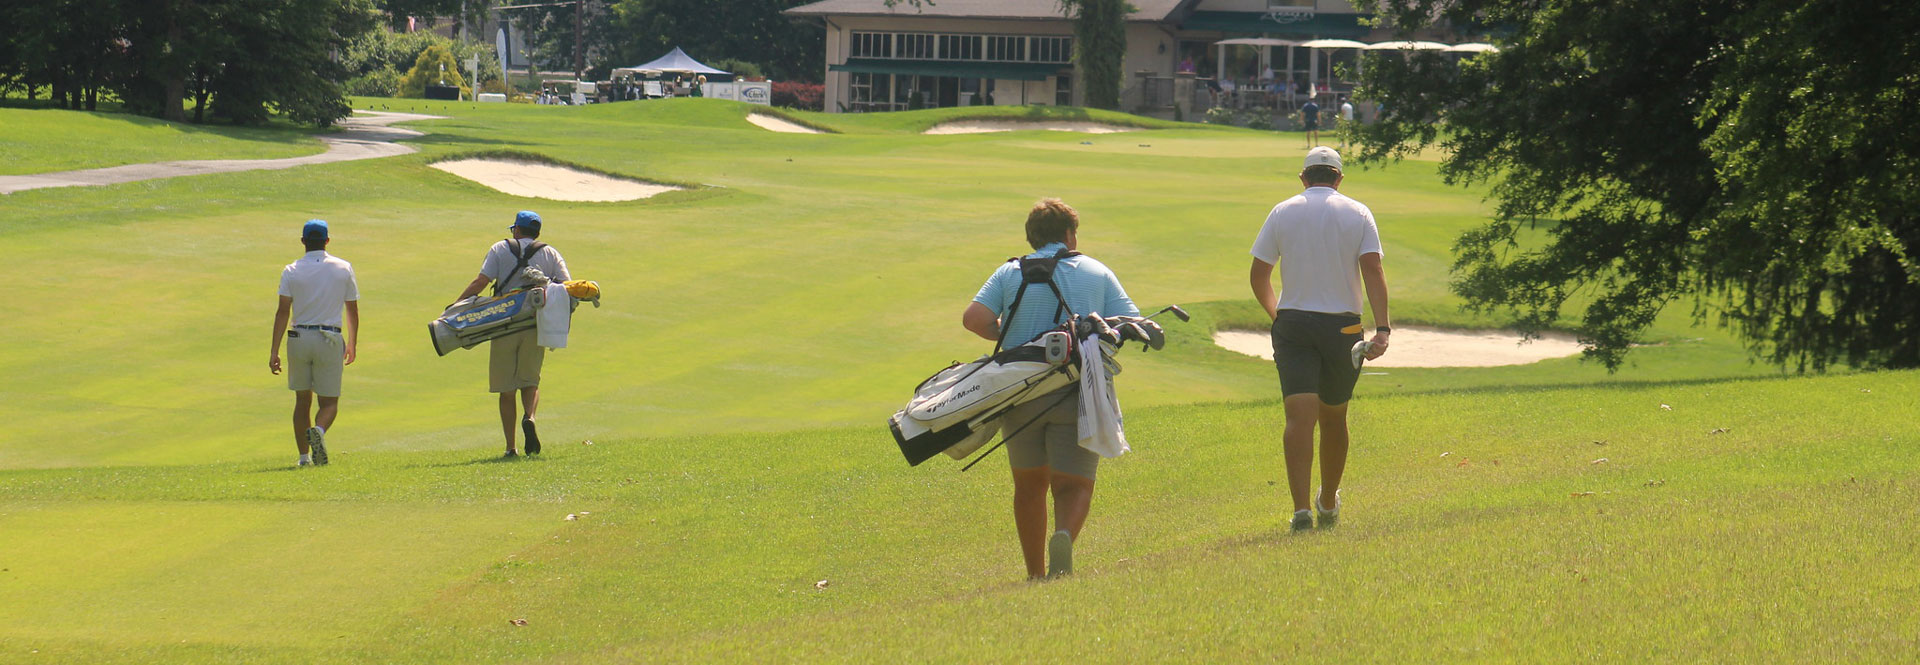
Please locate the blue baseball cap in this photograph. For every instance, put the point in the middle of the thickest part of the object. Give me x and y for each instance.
(316, 229)
(528, 221)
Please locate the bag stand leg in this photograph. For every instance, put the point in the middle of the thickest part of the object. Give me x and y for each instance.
(1022, 428)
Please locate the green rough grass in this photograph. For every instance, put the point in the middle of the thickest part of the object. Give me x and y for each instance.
(1769, 541)
(43, 141)
(756, 332)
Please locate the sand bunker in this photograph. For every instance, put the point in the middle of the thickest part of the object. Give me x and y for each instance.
(989, 126)
(1421, 346)
(546, 181)
(779, 124)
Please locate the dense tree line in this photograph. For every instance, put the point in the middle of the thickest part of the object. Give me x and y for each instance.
(1757, 157)
(234, 60)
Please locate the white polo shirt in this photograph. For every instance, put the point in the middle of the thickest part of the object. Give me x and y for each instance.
(500, 260)
(320, 284)
(1316, 239)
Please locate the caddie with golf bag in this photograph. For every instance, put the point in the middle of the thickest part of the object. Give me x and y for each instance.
(1027, 300)
(515, 359)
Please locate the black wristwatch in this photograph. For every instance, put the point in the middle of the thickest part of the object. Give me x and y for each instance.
(1383, 329)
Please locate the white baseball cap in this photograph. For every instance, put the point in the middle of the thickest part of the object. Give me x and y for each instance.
(1322, 156)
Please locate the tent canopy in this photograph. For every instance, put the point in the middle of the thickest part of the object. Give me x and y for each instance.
(677, 62)
(1473, 48)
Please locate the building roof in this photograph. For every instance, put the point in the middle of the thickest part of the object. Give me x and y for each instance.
(1148, 10)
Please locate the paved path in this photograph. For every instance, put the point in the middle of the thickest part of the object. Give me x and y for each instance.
(367, 135)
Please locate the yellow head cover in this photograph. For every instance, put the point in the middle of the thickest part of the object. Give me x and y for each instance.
(582, 289)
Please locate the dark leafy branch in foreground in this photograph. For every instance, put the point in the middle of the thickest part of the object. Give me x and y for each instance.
(1756, 157)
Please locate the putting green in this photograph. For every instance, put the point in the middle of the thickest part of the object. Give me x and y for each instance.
(716, 427)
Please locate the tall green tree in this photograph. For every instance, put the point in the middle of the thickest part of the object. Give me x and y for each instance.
(1755, 157)
(1100, 46)
(749, 30)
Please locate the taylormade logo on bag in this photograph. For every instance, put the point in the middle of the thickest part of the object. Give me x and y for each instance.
(952, 398)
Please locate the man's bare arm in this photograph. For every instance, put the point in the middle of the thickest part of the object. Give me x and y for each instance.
(479, 282)
(280, 318)
(1260, 277)
(353, 329)
(1374, 276)
(981, 321)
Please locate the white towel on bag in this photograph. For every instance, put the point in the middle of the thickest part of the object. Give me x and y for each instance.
(555, 318)
(1101, 429)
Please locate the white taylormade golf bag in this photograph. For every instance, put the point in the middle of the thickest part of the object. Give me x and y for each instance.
(958, 409)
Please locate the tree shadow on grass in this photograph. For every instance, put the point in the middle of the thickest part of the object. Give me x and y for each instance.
(495, 459)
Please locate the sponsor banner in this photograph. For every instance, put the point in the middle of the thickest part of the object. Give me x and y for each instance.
(755, 92)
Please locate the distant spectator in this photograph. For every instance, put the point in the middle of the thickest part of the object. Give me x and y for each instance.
(1310, 121)
(1186, 65)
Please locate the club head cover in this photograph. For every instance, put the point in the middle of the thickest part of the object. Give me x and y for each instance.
(1360, 349)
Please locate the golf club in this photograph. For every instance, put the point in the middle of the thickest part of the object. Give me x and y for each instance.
(1177, 312)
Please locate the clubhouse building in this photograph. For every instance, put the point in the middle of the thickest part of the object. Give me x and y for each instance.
(1012, 52)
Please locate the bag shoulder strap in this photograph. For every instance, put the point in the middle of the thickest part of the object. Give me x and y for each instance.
(1036, 270)
(520, 259)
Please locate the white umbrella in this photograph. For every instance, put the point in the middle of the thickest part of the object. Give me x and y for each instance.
(1332, 43)
(1258, 41)
(1473, 48)
(1407, 46)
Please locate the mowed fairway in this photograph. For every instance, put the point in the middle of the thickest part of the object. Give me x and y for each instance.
(716, 430)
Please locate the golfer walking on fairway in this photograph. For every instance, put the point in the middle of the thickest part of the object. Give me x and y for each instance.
(1326, 246)
(1047, 454)
(313, 291)
(514, 362)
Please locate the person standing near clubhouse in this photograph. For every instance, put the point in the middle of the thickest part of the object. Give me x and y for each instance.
(313, 292)
(514, 361)
(1310, 121)
(1326, 246)
(1047, 455)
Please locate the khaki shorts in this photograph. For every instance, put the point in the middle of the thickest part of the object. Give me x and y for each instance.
(315, 361)
(514, 362)
(1053, 440)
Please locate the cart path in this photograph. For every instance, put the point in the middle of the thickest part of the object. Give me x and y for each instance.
(366, 135)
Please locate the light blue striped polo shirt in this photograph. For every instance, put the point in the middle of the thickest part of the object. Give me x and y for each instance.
(1089, 286)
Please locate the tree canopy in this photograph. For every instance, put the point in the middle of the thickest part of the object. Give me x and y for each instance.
(1754, 157)
(241, 59)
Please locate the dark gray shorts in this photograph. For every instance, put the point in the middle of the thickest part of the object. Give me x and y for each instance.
(1053, 440)
(1314, 354)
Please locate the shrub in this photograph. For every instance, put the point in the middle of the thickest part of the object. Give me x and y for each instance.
(1260, 121)
(1221, 115)
(383, 82)
(795, 95)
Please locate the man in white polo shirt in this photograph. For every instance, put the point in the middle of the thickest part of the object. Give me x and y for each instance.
(313, 292)
(1326, 246)
(515, 360)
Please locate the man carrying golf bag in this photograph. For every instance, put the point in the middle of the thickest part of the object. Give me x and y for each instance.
(1046, 454)
(515, 360)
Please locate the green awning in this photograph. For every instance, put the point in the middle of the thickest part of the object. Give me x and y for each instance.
(1018, 71)
(1261, 23)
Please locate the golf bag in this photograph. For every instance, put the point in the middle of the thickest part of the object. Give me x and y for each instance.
(957, 409)
(477, 319)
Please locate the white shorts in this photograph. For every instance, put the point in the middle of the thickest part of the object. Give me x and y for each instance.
(315, 361)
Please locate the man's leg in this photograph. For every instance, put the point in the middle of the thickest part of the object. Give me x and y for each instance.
(508, 414)
(1303, 410)
(1072, 500)
(530, 400)
(302, 418)
(329, 407)
(1030, 517)
(1333, 450)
